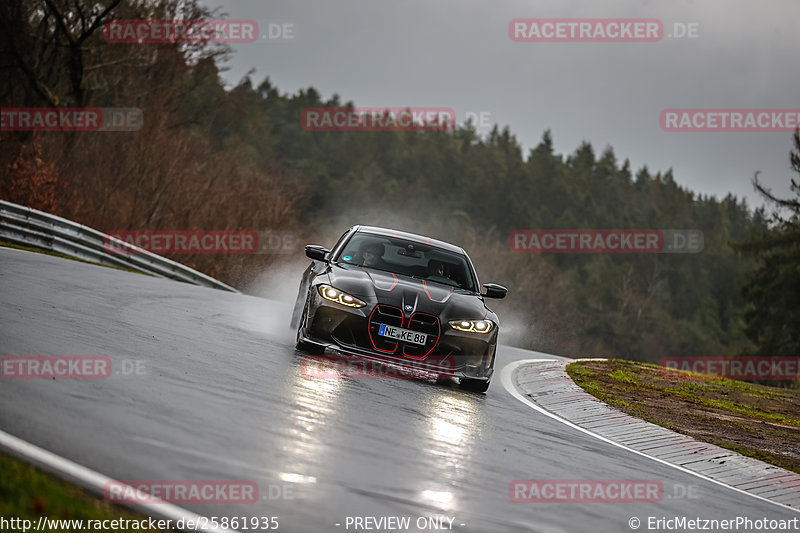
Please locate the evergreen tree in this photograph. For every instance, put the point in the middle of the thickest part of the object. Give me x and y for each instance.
(773, 289)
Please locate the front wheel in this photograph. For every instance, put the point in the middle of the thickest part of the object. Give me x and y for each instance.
(474, 385)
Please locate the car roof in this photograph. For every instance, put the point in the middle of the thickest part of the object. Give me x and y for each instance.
(385, 232)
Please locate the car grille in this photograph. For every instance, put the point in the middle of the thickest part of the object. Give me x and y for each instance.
(423, 323)
(393, 316)
(384, 314)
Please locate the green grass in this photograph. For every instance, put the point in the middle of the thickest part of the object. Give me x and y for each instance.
(27, 492)
(595, 388)
(750, 410)
(578, 370)
(625, 376)
(643, 390)
(688, 391)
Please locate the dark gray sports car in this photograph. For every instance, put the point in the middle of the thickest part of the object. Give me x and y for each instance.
(400, 298)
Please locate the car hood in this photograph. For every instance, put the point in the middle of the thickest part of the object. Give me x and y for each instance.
(422, 296)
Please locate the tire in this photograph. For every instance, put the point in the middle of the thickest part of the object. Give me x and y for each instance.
(474, 385)
(302, 345)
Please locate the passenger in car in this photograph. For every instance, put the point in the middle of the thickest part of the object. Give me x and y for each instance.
(436, 268)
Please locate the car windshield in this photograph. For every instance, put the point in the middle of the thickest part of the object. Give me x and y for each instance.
(408, 258)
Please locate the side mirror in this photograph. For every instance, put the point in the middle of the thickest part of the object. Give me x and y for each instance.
(317, 252)
(494, 291)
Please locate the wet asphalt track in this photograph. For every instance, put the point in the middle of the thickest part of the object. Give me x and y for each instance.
(222, 397)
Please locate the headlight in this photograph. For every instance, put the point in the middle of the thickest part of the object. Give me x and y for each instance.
(476, 326)
(340, 297)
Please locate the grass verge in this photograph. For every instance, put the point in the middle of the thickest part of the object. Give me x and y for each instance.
(755, 420)
(27, 493)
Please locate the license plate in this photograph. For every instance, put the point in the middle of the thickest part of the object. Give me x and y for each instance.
(400, 334)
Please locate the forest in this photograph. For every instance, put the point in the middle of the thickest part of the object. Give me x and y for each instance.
(209, 157)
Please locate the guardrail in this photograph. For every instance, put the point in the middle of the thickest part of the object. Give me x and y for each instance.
(29, 227)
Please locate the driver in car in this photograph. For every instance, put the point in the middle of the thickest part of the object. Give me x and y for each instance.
(371, 254)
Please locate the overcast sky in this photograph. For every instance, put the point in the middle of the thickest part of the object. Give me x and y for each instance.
(458, 54)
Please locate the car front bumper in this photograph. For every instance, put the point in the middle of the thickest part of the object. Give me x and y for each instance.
(352, 332)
